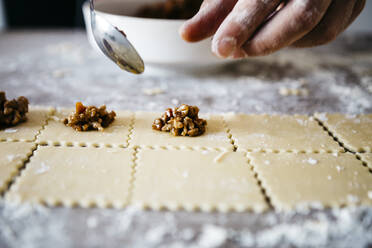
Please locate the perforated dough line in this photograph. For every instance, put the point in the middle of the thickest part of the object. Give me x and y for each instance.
(131, 129)
(343, 145)
(364, 162)
(175, 206)
(133, 175)
(229, 134)
(330, 133)
(185, 148)
(80, 144)
(16, 140)
(260, 183)
(278, 151)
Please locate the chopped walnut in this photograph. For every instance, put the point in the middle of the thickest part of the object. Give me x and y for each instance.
(14, 111)
(88, 118)
(170, 9)
(181, 121)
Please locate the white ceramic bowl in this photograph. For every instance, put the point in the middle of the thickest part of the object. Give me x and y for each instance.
(156, 40)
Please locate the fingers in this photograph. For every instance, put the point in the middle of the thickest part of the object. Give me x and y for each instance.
(240, 24)
(358, 7)
(207, 20)
(290, 24)
(333, 23)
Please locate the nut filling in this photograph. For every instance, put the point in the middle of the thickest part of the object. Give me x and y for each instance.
(88, 118)
(12, 112)
(181, 121)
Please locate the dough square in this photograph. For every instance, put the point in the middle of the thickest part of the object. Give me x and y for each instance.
(206, 180)
(71, 176)
(355, 132)
(12, 157)
(279, 133)
(116, 135)
(27, 131)
(215, 136)
(367, 157)
(313, 180)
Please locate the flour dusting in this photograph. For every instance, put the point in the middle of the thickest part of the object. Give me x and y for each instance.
(43, 168)
(212, 236)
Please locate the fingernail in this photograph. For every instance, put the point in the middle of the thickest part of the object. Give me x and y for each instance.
(224, 47)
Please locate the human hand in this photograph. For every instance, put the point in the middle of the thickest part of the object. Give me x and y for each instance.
(244, 28)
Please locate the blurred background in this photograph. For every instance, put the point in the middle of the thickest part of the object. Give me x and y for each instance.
(23, 14)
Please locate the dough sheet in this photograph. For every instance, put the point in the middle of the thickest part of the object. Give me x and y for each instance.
(354, 132)
(313, 180)
(72, 176)
(205, 180)
(296, 161)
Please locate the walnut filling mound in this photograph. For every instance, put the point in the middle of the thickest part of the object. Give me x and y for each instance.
(181, 121)
(170, 9)
(14, 111)
(88, 118)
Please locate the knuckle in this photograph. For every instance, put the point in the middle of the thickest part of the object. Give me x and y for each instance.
(307, 22)
(306, 13)
(304, 5)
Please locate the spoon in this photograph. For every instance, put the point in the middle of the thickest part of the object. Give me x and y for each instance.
(114, 44)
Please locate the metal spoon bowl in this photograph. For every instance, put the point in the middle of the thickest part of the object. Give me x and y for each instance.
(114, 44)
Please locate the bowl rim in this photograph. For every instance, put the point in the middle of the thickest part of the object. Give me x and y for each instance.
(158, 20)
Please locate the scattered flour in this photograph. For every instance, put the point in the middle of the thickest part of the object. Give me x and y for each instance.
(12, 157)
(187, 234)
(92, 222)
(293, 91)
(10, 130)
(34, 226)
(55, 118)
(212, 236)
(220, 157)
(156, 235)
(322, 116)
(153, 91)
(339, 168)
(302, 122)
(312, 161)
(43, 168)
(353, 199)
(175, 101)
(59, 73)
